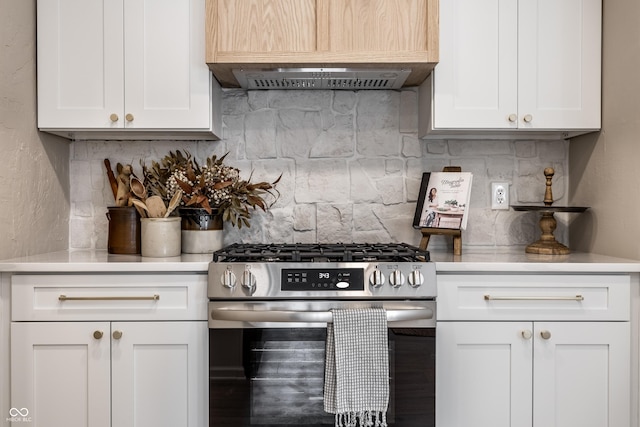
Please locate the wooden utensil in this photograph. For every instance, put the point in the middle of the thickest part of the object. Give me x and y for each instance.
(137, 188)
(155, 207)
(123, 194)
(174, 202)
(112, 178)
(141, 207)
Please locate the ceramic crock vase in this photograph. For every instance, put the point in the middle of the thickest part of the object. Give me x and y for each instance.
(160, 237)
(201, 231)
(124, 230)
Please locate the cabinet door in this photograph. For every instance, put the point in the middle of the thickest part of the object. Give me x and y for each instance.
(476, 81)
(159, 374)
(559, 63)
(60, 373)
(375, 26)
(518, 65)
(581, 374)
(483, 374)
(80, 63)
(167, 82)
(264, 26)
(278, 27)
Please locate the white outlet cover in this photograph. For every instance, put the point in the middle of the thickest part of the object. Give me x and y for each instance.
(500, 195)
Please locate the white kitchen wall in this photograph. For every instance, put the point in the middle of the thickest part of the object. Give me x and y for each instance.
(604, 165)
(351, 165)
(34, 196)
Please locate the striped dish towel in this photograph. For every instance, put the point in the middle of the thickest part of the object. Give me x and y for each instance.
(356, 378)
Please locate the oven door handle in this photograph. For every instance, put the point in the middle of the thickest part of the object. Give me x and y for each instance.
(421, 313)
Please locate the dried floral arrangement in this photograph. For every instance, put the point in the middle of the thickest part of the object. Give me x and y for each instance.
(212, 186)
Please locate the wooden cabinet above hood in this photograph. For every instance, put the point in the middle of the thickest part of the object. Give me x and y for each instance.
(352, 34)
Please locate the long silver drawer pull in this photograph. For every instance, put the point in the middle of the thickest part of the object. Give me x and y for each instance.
(578, 297)
(154, 297)
(309, 316)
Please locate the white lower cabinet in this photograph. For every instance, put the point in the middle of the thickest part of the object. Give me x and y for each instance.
(483, 375)
(532, 370)
(116, 373)
(61, 374)
(498, 374)
(159, 374)
(102, 374)
(581, 374)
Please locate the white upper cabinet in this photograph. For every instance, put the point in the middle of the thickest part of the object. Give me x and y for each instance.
(515, 69)
(125, 69)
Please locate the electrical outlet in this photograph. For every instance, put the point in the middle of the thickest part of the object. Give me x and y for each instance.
(500, 195)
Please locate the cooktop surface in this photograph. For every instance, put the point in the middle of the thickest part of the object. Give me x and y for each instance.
(321, 252)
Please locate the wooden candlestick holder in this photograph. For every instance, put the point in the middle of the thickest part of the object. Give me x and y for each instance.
(547, 244)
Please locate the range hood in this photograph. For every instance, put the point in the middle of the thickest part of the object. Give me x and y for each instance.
(321, 44)
(322, 78)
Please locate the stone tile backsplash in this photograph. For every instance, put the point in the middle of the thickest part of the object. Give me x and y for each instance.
(351, 165)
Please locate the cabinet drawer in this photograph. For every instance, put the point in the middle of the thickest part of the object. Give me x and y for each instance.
(109, 297)
(533, 297)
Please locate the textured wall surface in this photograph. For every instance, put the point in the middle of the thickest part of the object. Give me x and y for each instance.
(34, 195)
(351, 165)
(604, 166)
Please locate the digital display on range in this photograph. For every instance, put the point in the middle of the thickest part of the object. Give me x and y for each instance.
(324, 279)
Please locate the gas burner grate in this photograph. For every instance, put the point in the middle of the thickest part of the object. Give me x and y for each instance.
(338, 252)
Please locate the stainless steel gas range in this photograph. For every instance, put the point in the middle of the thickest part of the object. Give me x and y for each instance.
(268, 310)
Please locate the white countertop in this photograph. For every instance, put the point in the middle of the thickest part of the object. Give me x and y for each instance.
(479, 260)
(77, 261)
(516, 260)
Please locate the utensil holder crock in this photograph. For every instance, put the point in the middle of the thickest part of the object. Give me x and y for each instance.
(161, 237)
(124, 230)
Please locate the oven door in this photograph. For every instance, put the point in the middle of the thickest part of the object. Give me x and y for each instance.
(267, 362)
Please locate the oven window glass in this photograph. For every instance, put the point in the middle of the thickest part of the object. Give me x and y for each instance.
(275, 377)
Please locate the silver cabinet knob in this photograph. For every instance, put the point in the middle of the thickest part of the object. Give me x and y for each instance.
(512, 118)
(416, 278)
(117, 335)
(98, 334)
(396, 279)
(527, 118)
(545, 335)
(114, 117)
(228, 279)
(376, 279)
(526, 334)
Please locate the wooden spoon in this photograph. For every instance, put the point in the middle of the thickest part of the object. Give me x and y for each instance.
(174, 202)
(137, 188)
(141, 207)
(156, 207)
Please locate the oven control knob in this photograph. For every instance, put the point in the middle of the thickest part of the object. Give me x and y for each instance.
(228, 279)
(416, 278)
(376, 279)
(396, 279)
(248, 279)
